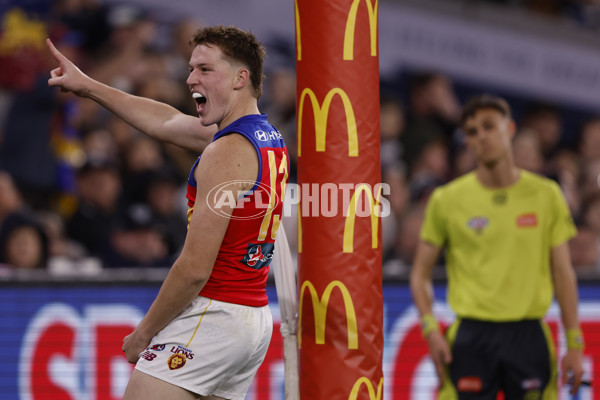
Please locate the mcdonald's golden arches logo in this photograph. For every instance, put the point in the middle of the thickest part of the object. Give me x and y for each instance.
(365, 381)
(321, 113)
(349, 32)
(320, 312)
(374, 211)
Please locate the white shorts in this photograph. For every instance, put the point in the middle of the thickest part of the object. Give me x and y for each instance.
(212, 348)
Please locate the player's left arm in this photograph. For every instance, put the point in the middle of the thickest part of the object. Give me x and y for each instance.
(229, 163)
(565, 287)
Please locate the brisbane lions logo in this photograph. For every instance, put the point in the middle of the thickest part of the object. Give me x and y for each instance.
(176, 361)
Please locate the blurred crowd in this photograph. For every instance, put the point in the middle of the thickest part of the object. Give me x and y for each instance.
(82, 191)
(583, 13)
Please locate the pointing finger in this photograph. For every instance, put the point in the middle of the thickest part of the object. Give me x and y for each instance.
(57, 54)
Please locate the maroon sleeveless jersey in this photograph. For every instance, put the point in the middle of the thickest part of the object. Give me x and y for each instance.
(241, 269)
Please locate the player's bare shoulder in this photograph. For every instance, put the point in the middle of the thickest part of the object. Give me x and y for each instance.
(231, 157)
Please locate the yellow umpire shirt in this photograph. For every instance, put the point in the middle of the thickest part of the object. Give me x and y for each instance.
(498, 244)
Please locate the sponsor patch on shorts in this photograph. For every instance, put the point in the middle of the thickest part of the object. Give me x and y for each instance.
(148, 356)
(531, 384)
(471, 384)
(182, 350)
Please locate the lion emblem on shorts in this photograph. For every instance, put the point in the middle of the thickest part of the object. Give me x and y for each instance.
(176, 361)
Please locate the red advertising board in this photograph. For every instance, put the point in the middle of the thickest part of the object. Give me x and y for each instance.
(65, 343)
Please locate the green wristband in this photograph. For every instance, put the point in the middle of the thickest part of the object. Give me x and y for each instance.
(429, 324)
(574, 339)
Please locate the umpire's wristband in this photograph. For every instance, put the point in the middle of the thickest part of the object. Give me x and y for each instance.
(429, 324)
(574, 339)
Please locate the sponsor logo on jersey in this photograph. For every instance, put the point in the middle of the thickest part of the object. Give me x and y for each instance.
(266, 136)
(478, 224)
(527, 220)
(157, 347)
(176, 361)
(258, 255)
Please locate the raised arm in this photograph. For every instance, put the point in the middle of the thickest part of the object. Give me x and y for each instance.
(156, 119)
(565, 287)
(422, 292)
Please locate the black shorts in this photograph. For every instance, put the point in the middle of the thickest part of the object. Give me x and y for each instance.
(515, 357)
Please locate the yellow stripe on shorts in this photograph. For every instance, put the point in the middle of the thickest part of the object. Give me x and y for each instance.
(551, 390)
(198, 326)
(448, 391)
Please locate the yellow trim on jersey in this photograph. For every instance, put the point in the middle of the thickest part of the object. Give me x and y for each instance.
(498, 244)
(198, 326)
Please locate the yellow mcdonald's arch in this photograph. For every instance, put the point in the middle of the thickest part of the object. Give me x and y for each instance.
(370, 388)
(350, 31)
(351, 28)
(298, 36)
(321, 114)
(348, 246)
(320, 312)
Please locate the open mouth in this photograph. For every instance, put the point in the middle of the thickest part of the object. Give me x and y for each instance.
(198, 98)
